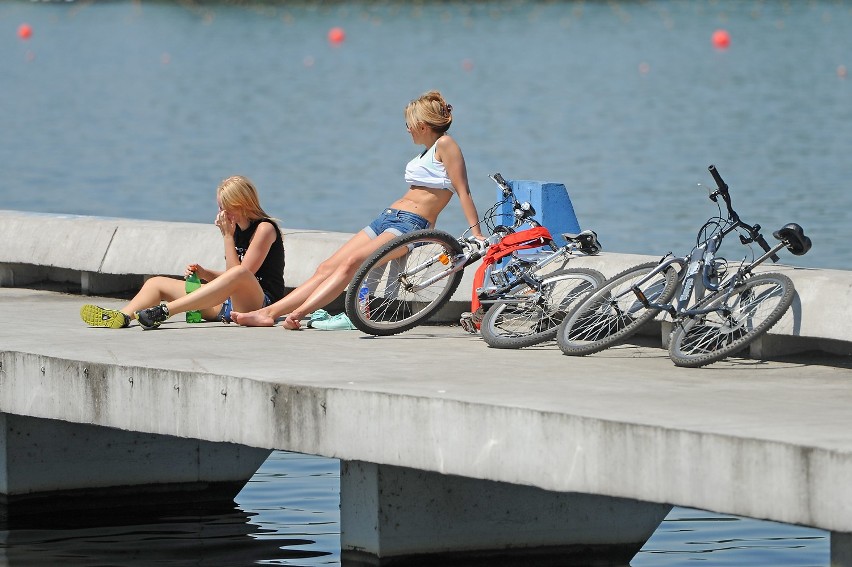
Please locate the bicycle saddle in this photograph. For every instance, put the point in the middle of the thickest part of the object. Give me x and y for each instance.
(588, 241)
(791, 233)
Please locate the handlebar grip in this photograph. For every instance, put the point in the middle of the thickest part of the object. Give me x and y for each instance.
(723, 187)
(499, 179)
(766, 247)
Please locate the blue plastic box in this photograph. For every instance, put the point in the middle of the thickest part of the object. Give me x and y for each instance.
(552, 205)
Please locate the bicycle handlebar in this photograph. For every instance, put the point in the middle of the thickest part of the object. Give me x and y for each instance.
(753, 230)
(498, 179)
(721, 185)
(722, 190)
(523, 212)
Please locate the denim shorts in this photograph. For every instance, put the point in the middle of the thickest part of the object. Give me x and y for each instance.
(227, 307)
(396, 222)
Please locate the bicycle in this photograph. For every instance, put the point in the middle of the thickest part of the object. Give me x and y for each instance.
(714, 315)
(412, 277)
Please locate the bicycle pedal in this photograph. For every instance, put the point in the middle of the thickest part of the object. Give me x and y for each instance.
(470, 322)
(467, 323)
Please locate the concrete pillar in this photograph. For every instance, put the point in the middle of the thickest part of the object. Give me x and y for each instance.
(841, 549)
(389, 512)
(41, 457)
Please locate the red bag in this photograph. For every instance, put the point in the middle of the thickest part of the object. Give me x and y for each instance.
(531, 238)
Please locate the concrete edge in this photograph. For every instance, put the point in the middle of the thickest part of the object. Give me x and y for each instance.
(109, 255)
(551, 450)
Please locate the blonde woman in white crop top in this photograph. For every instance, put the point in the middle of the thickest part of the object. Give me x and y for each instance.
(433, 176)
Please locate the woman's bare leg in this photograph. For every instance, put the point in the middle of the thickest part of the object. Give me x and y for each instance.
(238, 283)
(359, 246)
(266, 316)
(336, 282)
(153, 291)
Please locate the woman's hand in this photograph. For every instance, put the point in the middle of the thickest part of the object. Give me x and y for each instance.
(225, 223)
(203, 273)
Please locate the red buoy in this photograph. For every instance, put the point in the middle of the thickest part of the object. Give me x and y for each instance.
(721, 39)
(25, 31)
(336, 35)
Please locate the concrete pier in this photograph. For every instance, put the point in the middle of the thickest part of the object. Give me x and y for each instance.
(115, 458)
(388, 510)
(587, 453)
(763, 439)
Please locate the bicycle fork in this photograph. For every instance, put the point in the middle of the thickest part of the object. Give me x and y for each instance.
(458, 262)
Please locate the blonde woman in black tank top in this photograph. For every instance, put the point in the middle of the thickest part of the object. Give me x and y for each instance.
(253, 275)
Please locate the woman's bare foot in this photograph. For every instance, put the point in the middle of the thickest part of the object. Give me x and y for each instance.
(292, 323)
(253, 319)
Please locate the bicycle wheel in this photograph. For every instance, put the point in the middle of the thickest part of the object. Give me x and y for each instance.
(529, 316)
(404, 282)
(613, 313)
(740, 317)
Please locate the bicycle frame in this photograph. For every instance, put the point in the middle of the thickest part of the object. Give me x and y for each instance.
(536, 236)
(459, 263)
(702, 259)
(729, 284)
(525, 275)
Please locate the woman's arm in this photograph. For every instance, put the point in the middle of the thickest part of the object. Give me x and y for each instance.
(449, 153)
(261, 242)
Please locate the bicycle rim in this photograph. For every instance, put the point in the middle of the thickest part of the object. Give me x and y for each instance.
(404, 282)
(613, 313)
(530, 316)
(750, 311)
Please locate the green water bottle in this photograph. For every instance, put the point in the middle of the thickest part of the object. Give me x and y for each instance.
(193, 283)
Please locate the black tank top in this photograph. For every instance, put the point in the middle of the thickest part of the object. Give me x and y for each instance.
(270, 275)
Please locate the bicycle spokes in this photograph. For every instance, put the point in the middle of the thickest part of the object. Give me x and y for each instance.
(605, 319)
(733, 320)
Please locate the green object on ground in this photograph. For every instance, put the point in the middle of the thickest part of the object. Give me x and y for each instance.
(193, 283)
(339, 322)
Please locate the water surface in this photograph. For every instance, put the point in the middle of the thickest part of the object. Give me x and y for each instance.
(138, 109)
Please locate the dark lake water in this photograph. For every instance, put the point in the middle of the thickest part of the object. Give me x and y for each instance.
(288, 515)
(138, 109)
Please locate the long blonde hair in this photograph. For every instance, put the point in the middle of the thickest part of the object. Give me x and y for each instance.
(430, 109)
(238, 192)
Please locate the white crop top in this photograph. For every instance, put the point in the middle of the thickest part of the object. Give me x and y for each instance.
(425, 171)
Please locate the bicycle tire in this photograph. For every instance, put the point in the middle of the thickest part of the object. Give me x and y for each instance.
(701, 340)
(532, 317)
(393, 305)
(598, 322)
